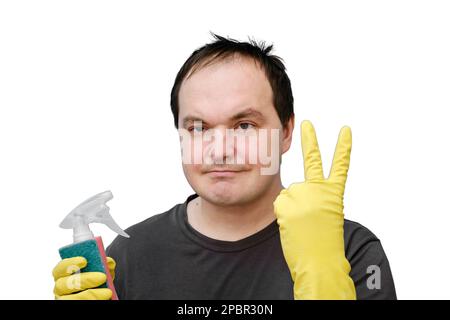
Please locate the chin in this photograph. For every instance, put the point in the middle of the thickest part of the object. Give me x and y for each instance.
(223, 196)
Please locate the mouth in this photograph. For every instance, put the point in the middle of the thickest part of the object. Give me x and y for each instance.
(223, 173)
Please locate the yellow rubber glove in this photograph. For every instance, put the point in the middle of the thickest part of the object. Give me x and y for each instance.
(80, 286)
(311, 221)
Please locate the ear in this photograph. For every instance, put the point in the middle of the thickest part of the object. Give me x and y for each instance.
(287, 134)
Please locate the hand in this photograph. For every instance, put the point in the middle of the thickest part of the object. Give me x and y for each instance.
(311, 220)
(81, 286)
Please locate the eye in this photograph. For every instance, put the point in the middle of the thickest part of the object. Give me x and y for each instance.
(246, 125)
(196, 129)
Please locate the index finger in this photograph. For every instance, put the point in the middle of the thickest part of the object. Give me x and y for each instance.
(311, 154)
(68, 266)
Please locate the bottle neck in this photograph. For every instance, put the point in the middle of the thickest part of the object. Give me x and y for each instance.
(81, 231)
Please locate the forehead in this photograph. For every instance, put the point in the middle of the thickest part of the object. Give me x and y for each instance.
(224, 88)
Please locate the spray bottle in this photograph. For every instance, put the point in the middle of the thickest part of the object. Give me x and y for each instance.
(85, 244)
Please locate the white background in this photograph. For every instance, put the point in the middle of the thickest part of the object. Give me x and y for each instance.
(84, 107)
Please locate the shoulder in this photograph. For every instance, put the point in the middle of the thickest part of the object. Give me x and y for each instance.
(356, 236)
(354, 229)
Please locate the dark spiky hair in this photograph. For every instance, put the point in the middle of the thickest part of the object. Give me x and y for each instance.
(223, 48)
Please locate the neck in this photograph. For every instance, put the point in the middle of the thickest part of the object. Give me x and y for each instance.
(232, 223)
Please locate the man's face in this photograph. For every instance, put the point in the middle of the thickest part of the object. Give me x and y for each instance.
(231, 94)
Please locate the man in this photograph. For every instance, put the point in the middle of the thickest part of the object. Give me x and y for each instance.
(242, 235)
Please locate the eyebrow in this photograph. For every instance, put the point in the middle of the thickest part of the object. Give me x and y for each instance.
(189, 119)
(247, 113)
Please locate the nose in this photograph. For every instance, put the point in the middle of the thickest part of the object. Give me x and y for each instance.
(220, 149)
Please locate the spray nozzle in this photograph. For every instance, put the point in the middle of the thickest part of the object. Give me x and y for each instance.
(92, 210)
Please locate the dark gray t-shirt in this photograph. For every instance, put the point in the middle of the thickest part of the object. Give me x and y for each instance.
(165, 258)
